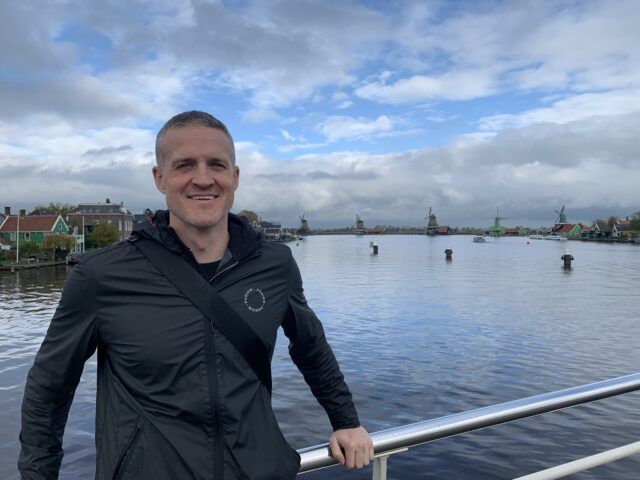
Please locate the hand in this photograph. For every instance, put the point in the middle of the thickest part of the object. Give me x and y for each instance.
(352, 447)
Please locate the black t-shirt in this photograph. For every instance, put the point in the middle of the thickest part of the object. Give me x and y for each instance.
(210, 269)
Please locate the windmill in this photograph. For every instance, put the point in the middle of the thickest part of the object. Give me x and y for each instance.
(432, 223)
(497, 229)
(562, 218)
(359, 225)
(304, 225)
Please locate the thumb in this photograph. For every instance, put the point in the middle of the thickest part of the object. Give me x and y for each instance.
(336, 451)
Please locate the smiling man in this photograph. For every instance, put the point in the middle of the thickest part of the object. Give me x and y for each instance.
(184, 316)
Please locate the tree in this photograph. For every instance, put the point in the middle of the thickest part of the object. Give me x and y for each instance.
(635, 224)
(53, 209)
(104, 234)
(27, 248)
(58, 244)
(250, 216)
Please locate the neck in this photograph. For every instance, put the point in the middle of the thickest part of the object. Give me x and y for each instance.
(207, 245)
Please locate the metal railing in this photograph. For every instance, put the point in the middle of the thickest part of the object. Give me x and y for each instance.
(399, 439)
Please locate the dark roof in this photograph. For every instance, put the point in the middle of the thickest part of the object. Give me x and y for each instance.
(625, 227)
(101, 209)
(603, 226)
(30, 223)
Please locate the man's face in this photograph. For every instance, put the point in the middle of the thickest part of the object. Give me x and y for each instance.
(198, 177)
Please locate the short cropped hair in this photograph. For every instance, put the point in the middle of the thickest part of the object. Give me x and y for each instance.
(192, 117)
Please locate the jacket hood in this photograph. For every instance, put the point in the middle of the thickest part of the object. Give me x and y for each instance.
(243, 240)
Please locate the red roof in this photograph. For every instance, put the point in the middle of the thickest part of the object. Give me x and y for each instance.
(443, 229)
(30, 223)
(512, 230)
(567, 228)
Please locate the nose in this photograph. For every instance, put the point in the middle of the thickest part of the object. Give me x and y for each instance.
(203, 177)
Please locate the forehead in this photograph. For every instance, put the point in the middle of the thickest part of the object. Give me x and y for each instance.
(196, 141)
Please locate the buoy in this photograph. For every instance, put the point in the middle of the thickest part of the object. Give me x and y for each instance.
(374, 246)
(448, 252)
(567, 258)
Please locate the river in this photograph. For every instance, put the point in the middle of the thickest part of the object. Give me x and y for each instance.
(417, 337)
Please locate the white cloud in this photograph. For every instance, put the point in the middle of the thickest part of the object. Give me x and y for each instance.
(337, 128)
(570, 109)
(461, 85)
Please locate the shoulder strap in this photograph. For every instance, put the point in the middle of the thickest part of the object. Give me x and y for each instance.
(215, 308)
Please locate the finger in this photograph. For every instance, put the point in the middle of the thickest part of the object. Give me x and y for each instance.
(350, 456)
(359, 458)
(372, 452)
(336, 451)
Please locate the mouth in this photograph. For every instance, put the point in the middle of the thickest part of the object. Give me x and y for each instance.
(203, 198)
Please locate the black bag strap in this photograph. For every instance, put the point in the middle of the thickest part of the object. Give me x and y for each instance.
(215, 308)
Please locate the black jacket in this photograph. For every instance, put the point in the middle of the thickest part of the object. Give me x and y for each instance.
(175, 400)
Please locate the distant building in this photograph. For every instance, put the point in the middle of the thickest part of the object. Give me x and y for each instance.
(515, 232)
(443, 230)
(88, 214)
(601, 230)
(621, 230)
(570, 230)
(32, 227)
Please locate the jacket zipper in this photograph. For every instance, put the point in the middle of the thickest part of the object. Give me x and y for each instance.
(214, 390)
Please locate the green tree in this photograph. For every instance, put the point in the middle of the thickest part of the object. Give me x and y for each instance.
(27, 248)
(104, 234)
(53, 209)
(635, 224)
(59, 244)
(250, 216)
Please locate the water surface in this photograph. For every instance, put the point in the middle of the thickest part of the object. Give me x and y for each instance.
(417, 338)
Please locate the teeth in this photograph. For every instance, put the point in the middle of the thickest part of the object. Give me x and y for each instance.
(203, 197)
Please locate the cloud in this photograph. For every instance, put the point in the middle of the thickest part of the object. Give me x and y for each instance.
(569, 109)
(95, 152)
(336, 128)
(461, 85)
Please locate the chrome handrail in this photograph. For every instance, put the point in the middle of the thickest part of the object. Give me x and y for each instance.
(313, 458)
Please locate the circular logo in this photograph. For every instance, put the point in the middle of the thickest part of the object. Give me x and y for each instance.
(254, 299)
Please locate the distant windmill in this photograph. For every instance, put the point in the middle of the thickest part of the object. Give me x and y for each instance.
(562, 218)
(359, 225)
(304, 225)
(497, 230)
(432, 223)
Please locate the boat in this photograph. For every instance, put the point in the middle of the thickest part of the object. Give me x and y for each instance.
(479, 239)
(537, 236)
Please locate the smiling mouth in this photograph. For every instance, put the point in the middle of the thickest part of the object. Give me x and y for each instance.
(202, 197)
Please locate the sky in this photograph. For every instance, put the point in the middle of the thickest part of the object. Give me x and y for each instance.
(336, 108)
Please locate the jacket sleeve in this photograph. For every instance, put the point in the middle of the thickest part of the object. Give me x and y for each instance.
(313, 356)
(52, 381)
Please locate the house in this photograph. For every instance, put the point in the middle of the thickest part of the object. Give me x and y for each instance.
(32, 227)
(443, 230)
(601, 229)
(86, 215)
(621, 230)
(570, 230)
(515, 232)
(585, 232)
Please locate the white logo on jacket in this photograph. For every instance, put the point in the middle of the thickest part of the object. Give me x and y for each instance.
(254, 299)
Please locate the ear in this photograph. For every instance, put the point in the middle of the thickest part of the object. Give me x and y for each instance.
(158, 178)
(237, 177)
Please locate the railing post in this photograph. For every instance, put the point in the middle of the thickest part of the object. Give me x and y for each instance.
(380, 463)
(380, 468)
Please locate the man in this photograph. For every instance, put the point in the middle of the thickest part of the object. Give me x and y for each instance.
(177, 398)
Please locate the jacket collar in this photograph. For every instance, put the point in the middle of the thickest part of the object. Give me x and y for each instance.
(243, 240)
